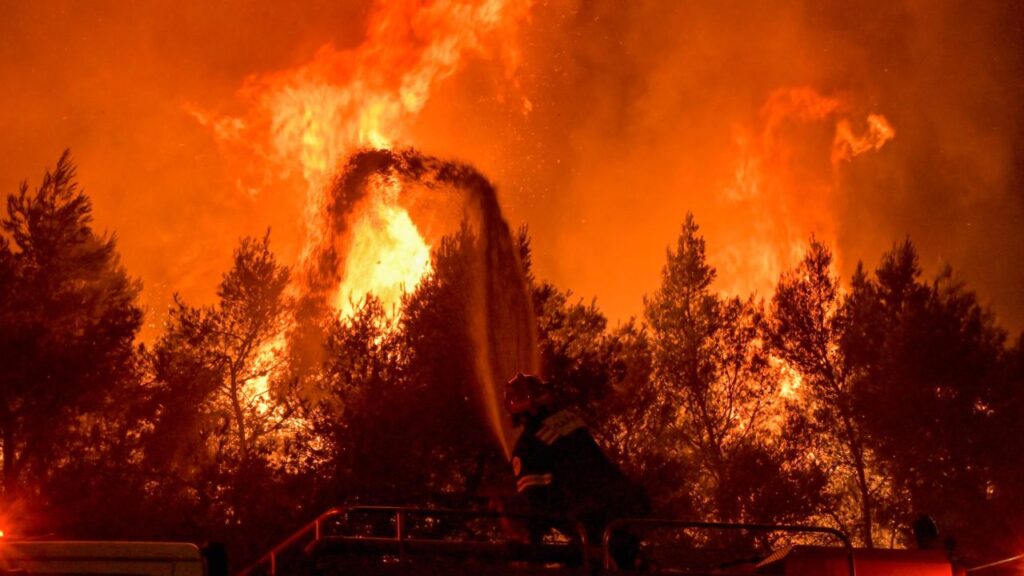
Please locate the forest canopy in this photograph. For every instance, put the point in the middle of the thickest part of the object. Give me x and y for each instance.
(859, 403)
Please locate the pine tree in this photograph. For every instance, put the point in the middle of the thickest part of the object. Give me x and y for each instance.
(715, 393)
(68, 321)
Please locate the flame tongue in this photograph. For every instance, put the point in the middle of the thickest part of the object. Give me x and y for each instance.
(784, 185)
(307, 119)
(387, 254)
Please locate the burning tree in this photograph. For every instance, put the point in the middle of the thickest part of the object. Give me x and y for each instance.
(221, 406)
(240, 342)
(349, 420)
(807, 327)
(398, 412)
(714, 399)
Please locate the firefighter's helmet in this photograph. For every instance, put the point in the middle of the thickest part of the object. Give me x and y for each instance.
(526, 393)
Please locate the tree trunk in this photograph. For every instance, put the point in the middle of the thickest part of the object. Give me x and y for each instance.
(10, 469)
(857, 453)
(865, 499)
(236, 406)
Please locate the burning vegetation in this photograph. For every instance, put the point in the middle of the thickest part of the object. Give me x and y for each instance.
(768, 375)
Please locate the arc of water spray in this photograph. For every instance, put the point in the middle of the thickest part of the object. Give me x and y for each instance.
(501, 322)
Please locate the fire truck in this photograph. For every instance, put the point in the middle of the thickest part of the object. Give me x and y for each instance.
(407, 541)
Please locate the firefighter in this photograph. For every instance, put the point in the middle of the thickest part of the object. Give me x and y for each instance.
(561, 471)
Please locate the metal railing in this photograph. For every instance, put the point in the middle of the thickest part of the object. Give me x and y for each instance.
(314, 532)
(313, 528)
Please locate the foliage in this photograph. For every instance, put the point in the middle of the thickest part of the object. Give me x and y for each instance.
(931, 346)
(68, 320)
(807, 326)
(221, 404)
(859, 405)
(717, 396)
(906, 383)
(401, 408)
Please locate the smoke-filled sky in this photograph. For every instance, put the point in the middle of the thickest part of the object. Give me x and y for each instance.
(608, 122)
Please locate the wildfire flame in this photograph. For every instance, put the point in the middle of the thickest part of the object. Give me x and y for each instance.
(307, 119)
(387, 255)
(787, 188)
(847, 144)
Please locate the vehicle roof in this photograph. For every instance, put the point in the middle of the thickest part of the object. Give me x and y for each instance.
(124, 550)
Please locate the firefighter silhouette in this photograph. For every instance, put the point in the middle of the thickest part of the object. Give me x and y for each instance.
(561, 471)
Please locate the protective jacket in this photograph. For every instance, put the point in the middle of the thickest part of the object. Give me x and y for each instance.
(561, 470)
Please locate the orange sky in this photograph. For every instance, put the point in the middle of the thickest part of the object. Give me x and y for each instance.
(616, 120)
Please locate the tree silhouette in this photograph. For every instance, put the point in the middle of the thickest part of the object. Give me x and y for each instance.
(223, 405)
(237, 345)
(442, 377)
(716, 394)
(934, 348)
(248, 330)
(871, 404)
(807, 327)
(359, 393)
(68, 320)
(399, 405)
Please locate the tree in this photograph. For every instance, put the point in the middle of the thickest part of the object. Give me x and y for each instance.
(931, 346)
(68, 320)
(1006, 438)
(224, 407)
(806, 330)
(442, 345)
(361, 402)
(401, 411)
(248, 331)
(234, 350)
(715, 391)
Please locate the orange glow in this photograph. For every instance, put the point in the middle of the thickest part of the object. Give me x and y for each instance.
(308, 119)
(847, 144)
(790, 379)
(268, 362)
(387, 257)
(790, 191)
(602, 124)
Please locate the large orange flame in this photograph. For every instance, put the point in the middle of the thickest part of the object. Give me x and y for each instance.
(307, 119)
(788, 187)
(387, 256)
